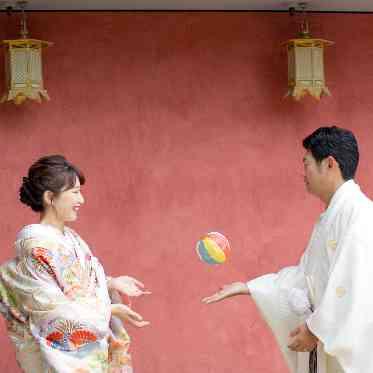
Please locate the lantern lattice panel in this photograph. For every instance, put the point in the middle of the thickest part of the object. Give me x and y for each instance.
(24, 70)
(306, 68)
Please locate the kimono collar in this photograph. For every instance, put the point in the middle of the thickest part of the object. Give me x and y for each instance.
(345, 189)
(40, 230)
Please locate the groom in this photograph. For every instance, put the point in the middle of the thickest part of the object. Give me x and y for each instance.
(321, 311)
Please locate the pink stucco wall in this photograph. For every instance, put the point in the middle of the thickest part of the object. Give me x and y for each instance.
(179, 122)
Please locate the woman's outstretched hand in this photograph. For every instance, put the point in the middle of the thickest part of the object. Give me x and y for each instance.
(125, 313)
(127, 285)
(227, 291)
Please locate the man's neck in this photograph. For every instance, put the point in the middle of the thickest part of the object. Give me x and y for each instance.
(327, 197)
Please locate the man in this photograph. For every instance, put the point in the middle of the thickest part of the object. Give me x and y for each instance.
(321, 311)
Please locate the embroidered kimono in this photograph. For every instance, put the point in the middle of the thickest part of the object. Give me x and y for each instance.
(55, 300)
(330, 289)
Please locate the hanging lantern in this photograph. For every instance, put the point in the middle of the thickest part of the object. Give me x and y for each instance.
(306, 65)
(23, 67)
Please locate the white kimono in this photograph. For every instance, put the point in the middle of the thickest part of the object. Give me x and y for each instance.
(334, 279)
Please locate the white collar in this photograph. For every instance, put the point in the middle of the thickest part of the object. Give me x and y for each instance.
(346, 188)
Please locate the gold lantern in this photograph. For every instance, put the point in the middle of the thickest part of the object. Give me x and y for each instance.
(23, 67)
(306, 65)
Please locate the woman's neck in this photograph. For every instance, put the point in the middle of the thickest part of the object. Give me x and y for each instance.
(48, 219)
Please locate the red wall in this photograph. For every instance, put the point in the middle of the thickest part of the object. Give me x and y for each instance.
(179, 122)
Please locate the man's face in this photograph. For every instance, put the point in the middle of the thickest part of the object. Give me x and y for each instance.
(314, 174)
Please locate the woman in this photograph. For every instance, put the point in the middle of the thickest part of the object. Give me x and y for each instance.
(63, 314)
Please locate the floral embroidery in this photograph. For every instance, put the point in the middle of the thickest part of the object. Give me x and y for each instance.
(68, 335)
(43, 261)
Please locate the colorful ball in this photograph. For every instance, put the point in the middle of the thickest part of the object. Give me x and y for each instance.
(213, 248)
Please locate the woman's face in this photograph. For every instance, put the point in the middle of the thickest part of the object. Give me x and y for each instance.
(67, 203)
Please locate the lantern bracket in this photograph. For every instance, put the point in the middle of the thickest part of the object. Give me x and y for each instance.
(301, 10)
(7, 7)
(22, 4)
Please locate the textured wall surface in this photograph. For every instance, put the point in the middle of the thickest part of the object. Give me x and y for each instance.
(179, 122)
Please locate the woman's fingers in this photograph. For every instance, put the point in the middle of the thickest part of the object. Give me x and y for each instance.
(124, 311)
(139, 324)
(139, 283)
(131, 286)
(135, 315)
(129, 279)
(137, 293)
(127, 314)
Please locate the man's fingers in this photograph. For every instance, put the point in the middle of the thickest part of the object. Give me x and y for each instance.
(210, 299)
(213, 298)
(294, 345)
(295, 332)
(206, 300)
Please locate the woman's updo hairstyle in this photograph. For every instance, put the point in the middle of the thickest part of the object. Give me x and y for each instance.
(51, 173)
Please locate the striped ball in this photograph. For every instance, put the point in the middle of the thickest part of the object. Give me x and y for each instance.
(213, 248)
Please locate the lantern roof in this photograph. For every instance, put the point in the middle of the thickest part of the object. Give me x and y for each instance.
(33, 43)
(308, 42)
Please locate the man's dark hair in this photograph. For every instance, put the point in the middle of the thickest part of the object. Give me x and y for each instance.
(337, 142)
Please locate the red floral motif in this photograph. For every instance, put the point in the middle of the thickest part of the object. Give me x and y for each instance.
(54, 337)
(43, 257)
(68, 335)
(82, 337)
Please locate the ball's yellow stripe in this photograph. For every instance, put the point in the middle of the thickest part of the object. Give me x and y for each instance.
(215, 252)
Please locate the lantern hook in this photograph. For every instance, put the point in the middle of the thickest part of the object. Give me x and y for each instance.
(24, 31)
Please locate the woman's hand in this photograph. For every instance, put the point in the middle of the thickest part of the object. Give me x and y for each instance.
(127, 285)
(125, 313)
(227, 291)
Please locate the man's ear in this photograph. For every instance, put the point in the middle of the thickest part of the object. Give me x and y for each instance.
(48, 198)
(331, 162)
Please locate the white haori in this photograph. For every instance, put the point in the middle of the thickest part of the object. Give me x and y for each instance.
(334, 280)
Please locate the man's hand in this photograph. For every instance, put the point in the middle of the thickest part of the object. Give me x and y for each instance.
(227, 291)
(302, 339)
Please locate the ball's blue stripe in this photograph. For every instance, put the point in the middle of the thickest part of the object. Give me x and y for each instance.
(204, 253)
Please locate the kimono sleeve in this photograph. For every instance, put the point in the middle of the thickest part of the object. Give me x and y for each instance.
(271, 295)
(54, 292)
(343, 321)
